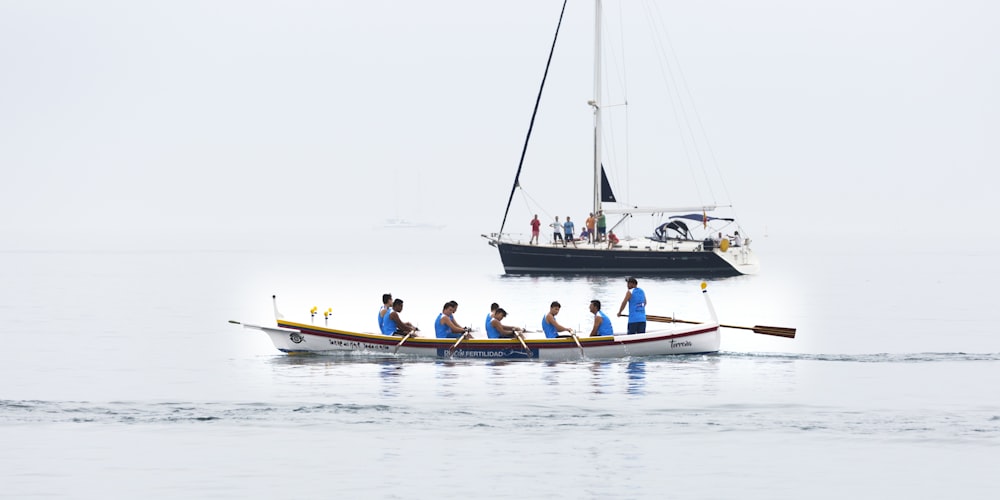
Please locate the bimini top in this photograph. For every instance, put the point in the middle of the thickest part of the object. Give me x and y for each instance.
(700, 217)
(660, 234)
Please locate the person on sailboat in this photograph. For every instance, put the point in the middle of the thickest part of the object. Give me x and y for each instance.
(602, 324)
(445, 325)
(393, 324)
(635, 299)
(737, 239)
(497, 330)
(386, 307)
(535, 226)
(569, 228)
(591, 224)
(550, 326)
(612, 239)
(557, 230)
(602, 225)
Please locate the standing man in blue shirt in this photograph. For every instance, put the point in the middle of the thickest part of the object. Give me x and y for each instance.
(569, 228)
(635, 299)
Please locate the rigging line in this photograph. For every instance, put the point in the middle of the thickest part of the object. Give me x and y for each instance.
(677, 78)
(608, 141)
(624, 78)
(534, 112)
(676, 103)
(527, 198)
(687, 136)
(697, 119)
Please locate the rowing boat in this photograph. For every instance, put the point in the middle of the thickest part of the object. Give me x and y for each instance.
(675, 338)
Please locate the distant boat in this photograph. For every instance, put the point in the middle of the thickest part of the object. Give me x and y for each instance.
(396, 223)
(673, 249)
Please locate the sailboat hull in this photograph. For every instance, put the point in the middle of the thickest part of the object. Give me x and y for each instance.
(650, 259)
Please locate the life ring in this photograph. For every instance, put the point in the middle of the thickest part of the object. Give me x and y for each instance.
(724, 245)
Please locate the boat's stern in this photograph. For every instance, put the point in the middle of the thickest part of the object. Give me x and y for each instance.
(741, 258)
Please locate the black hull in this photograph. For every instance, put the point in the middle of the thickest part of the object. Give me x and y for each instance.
(528, 259)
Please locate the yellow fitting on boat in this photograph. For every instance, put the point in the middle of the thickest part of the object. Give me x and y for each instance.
(704, 285)
(313, 310)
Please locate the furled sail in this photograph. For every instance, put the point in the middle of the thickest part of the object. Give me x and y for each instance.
(607, 196)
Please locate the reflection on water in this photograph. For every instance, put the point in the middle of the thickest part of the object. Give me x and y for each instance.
(390, 373)
(550, 378)
(446, 377)
(521, 387)
(599, 376)
(636, 371)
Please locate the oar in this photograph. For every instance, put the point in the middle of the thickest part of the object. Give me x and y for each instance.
(520, 338)
(777, 331)
(577, 340)
(459, 341)
(394, 351)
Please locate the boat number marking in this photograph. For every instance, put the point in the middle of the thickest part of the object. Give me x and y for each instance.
(359, 346)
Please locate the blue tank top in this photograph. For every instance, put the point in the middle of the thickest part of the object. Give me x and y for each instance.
(637, 306)
(605, 328)
(381, 318)
(444, 331)
(491, 333)
(489, 317)
(388, 325)
(550, 331)
(441, 331)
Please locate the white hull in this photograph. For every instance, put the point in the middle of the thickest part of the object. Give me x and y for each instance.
(689, 339)
(674, 338)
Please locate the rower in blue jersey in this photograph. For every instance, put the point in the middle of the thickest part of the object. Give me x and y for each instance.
(495, 329)
(489, 317)
(445, 325)
(602, 324)
(550, 326)
(635, 299)
(393, 324)
(386, 307)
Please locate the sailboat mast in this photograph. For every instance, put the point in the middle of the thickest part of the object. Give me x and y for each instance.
(596, 104)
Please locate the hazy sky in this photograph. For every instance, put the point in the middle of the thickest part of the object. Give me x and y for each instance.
(223, 121)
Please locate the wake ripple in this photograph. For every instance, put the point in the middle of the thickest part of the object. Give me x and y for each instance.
(978, 424)
(139, 412)
(921, 357)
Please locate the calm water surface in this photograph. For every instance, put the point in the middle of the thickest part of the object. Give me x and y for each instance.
(121, 378)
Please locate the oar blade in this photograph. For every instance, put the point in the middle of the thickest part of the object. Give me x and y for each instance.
(777, 331)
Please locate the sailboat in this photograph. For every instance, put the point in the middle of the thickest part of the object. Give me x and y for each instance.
(673, 247)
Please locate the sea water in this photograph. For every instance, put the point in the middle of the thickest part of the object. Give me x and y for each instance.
(120, 377)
